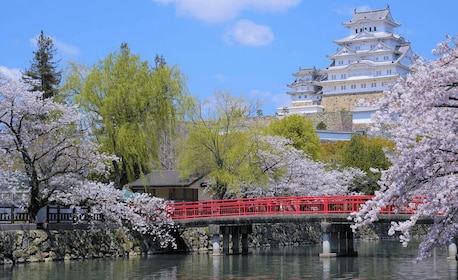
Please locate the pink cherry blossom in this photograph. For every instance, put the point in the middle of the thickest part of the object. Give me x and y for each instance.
(420, 114)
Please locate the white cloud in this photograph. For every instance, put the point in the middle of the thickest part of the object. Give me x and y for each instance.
(247, 33)
(213, 11)
(66, 48)
(221, 77)
(364, 8)
(60, 46)
(259, 94)
(281, 100)
(13, 74)
(270, 101)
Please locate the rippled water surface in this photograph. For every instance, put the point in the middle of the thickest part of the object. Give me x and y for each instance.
(376, 260)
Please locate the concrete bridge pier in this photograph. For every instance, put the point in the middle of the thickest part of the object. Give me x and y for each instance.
(245, 233)
(214, 230)
(337, 240)
(235, 241)
(226, 239)
(325, 229)
(452, 250)
(228, 231)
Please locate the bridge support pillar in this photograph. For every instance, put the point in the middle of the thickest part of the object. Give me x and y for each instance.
(452, 250)
(337, 240)
(214, 230)
(235, 242)
(236, 232)
(325, 229)
(244, 243)
(245, 231)
(225, 243)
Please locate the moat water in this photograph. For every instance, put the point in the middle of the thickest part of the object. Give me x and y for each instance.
(376, 260)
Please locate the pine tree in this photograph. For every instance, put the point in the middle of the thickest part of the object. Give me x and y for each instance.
(43, 75)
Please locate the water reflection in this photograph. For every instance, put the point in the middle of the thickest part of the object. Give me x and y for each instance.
(376, 260)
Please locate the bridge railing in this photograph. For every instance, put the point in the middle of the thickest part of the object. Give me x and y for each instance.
(266, 206)
(278, 206)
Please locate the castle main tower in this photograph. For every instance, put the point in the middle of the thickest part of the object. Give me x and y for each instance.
(369, 59)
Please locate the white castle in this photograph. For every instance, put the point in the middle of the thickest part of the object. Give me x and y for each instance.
(370, 58)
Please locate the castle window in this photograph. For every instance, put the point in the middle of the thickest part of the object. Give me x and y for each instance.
(356, 30)
(388, 71)
(373, 85)
(335, 88)
(370, 28)
(333, 77)
(343, 76)
(343, 87)
(375, 28)
(378, 73)
(363, 85)
(353, 86)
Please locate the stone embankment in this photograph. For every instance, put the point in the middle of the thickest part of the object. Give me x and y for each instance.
(22, 246)
(287, 234)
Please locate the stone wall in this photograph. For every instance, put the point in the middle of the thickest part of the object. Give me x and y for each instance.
(337, 121)
(20, 246)
(347, 102)
(264, 235)
(287, 234)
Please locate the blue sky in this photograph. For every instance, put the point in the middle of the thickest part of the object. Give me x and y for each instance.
(247, 47)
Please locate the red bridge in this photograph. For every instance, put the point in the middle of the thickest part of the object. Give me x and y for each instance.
(235, 217)
(268, 206)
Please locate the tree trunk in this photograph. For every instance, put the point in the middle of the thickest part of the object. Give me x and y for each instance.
(120, 175)
(35, 202)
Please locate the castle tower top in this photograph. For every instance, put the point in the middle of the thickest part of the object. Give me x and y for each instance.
(371, 21)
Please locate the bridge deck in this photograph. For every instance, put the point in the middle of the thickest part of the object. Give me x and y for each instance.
(290, 218)
(275, 209)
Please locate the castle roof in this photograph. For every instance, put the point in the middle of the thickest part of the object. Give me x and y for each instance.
(371, 16)
(371, 36)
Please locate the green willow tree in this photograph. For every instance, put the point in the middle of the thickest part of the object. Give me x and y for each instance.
(299, 130)
(43, 75)
(221, 145)
(131, 107)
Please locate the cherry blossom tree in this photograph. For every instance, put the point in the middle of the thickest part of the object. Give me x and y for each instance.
(43, 140)
(46, 153)
(291, 172)
(420, 114)
(140, 212)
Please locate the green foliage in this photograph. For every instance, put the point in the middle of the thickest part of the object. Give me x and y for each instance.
(43, 74)
(332, 152)
(221, 144)
(367, 154)
(299, 130)
(321, 126)
(131, 106)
